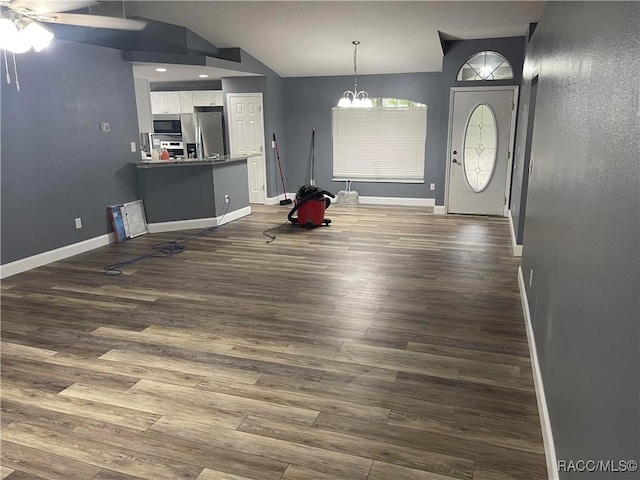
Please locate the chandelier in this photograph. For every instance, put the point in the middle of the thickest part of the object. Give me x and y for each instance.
(355, 98)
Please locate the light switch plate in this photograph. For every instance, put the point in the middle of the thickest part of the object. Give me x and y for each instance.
(133, 146)
(105, 127)
(78, 223)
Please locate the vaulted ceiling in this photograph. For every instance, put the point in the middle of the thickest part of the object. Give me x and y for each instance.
(313, 38)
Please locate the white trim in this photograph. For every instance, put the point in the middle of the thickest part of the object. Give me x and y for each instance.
(276, 200)
(405, 202)
(51, 256)
(192, 224)
(545, 421)
(45, 258)
(517, 248)
(439, 210)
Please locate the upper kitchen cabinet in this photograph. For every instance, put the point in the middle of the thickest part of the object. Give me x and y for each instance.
(166, 102)
(208, 98)
(187, 102)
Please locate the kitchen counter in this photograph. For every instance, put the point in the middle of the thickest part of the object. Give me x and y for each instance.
(190, 193)
(191, 162)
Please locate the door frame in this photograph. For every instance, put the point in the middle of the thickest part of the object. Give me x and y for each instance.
(231, 126)
(512, 134)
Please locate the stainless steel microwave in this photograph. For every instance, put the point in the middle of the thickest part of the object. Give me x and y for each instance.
(167, 126)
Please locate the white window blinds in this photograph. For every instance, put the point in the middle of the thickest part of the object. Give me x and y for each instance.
(379, 144)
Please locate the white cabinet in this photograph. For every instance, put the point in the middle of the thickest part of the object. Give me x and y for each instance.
(165, 102)
(208, 98)
(183, 102)
(187, 102)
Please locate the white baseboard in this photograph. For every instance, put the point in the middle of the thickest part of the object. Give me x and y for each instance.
(405, 202)
(545, 422)
(439, 210)
(195, 223)
(517, 249)
(67, 251)
(276, 200)
(51, 256)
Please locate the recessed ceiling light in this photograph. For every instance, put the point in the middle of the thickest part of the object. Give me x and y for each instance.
(161, 69)
(202, 75)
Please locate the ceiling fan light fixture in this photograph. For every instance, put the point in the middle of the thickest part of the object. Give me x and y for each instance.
(19, 35)
(39, 36)
(17, 42)
(7, 31)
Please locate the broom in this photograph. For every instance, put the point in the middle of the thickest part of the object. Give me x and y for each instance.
(286, 201)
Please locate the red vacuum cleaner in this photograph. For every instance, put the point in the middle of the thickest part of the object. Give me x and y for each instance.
(311, 203)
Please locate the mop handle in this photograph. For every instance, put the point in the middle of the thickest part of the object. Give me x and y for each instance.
(275, 144)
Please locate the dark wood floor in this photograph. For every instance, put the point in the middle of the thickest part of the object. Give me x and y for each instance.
(388, 346)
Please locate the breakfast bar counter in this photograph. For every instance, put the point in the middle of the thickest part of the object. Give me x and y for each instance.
(190, 162)
(190, 193)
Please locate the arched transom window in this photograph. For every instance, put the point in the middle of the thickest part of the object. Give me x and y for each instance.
(486, 65)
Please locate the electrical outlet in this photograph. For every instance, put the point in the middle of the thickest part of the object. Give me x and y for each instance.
(78, 223)
(227, 198)
(433, 186)
(105, 127)
(133, 146)
(530, 277)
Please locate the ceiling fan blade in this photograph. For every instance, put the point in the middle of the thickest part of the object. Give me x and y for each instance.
(50, 6)
(95, 21)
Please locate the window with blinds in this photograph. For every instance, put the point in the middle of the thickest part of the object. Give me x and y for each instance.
(380, 144)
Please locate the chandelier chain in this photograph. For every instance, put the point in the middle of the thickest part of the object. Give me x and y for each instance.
(355, 63)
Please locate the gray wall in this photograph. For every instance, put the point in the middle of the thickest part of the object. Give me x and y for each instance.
(456, 53)
(308, 104)
(582, 233)
(522, 148)
(56, 164)
(272, 88)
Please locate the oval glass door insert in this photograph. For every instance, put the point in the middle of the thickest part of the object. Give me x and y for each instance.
(480, 146)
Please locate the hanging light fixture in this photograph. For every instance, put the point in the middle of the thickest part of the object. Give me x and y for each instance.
(355, 99)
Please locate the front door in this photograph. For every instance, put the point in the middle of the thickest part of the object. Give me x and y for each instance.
(481, 135)
(246, 137)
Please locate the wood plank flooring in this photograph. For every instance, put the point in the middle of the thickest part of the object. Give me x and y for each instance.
(388, 346)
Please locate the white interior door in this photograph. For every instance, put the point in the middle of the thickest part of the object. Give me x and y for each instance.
(481, 137)
(246, 137)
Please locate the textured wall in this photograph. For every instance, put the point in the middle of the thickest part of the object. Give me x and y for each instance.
(56, 163)
(308, 104)
(582, 234)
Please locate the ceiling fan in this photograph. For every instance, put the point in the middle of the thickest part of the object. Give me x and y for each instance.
(54, 11)
(21, 26)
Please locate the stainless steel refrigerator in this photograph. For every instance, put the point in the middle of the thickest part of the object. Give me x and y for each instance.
(211, 128)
